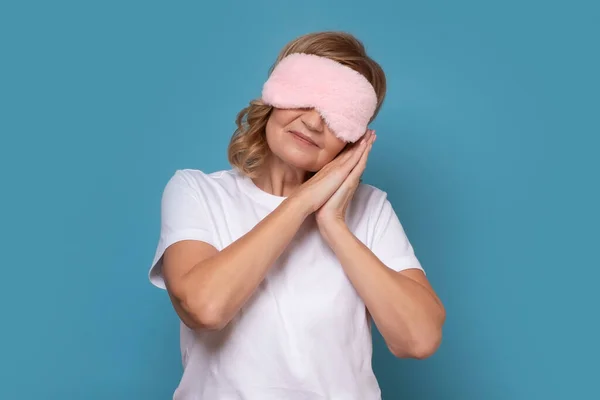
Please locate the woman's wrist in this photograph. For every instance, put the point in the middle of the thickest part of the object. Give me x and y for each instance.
(297, 205)
(332, 228)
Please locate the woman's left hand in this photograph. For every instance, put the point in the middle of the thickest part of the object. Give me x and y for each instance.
(334, 209)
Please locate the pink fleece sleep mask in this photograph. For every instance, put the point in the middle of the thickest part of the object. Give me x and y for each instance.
(345, 98)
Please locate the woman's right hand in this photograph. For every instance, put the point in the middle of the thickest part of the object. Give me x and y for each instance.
(320, 187)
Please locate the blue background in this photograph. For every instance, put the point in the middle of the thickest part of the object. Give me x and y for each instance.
(487, 144)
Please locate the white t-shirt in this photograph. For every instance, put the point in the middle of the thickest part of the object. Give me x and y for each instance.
(305, 333)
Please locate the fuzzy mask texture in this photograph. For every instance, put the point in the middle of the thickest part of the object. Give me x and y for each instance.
(345, 98)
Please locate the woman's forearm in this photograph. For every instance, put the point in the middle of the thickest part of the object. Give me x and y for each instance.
(217, 287)
(408, 315)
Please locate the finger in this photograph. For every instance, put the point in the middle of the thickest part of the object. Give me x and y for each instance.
(348, 154)
(366, 141)
(358, 170)
(362, 163)
(353, 178)
(363, 145)
(356, 154)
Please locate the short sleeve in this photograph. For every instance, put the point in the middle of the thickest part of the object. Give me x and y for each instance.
(184, 215)
(390, 243)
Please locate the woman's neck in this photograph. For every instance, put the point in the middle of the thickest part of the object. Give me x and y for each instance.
(279, 178)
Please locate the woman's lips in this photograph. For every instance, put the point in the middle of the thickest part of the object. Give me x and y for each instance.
(303, 138)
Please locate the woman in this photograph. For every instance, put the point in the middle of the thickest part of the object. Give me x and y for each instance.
(277, 267)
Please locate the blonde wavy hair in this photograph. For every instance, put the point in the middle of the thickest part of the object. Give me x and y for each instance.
(248, 148)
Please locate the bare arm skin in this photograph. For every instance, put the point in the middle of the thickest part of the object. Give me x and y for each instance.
(404, 306)
(208, 287)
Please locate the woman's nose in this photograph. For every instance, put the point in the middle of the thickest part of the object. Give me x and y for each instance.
(313, 120)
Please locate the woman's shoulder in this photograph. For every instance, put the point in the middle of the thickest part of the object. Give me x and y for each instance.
(369, 195)
(368, 204)
(203, 181)
(198, 175)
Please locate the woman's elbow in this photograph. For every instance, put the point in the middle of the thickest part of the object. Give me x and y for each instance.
(208, 317)
(427, 348)
(423, 343)
(419, 349)
(198, 313)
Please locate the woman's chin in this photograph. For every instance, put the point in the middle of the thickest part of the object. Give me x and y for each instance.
(300, 160)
